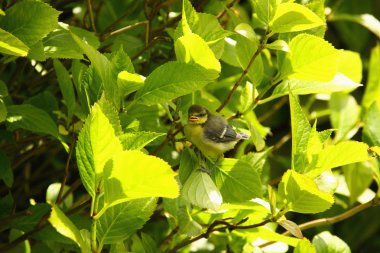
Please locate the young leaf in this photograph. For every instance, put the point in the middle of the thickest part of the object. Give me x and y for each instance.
(97, 143)
(372, 89)
(292, 17)
(201, 191)
(11, 45)
(66, 86)
(300, 135)
(291, 227)
(344, 114)
(237, 180)
(371, 129)
(171, 80)
(133, 174)
(21, 21)
(121, 221)
(343, 153)
(138, 140)
(31, 118)
(311, 59)
(302, 194)
(65, 227)
(191, 48)
(326, 242)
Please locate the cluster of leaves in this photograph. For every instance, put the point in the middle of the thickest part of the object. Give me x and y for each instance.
(116, 115)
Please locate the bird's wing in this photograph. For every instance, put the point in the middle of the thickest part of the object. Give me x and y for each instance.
(220, 131)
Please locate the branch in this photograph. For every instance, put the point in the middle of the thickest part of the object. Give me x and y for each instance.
(64, 180)
(229, 5)
(128, 27)
(91, 13)
(245, 72)
(332, 220)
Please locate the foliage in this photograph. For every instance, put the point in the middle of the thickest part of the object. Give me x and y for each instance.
(94, 97)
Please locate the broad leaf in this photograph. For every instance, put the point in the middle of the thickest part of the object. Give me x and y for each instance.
(66, 86)
(187, 164)
(30, 21)
(65, 227)
(350, 65)
(60, 44)
(187, 225)
(371, 129)
(310, 64)
(201, 191)
(237, 180)
(191, 48)
(11, 45)
(326, 242)
(340, 154)
(302, 194)
(292, 17)
(133, 174)
(344, 114)
(121, 221)
(129, 82)
(97, 143)
(138, 140)
(372, 88)
(300, 135)
(31, 118)
(358, 178)
(171, 80)
(304, 246)
(301, 87)
(264, 10)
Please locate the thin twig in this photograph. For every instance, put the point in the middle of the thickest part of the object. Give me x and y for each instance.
(260, 48)
(129, 27)
(332, 220)
(64, 180)
(90, 12)
(229, 5)
(275, 107)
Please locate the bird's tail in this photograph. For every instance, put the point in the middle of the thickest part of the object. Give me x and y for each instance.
(242, 136)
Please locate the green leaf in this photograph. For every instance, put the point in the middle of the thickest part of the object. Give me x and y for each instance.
(3, 111)
(31, 118)
(187, 164)
(30, 221)
(358, 178)
(23, 246)
(138, 140)
(326, 242)
(191, 48)
(310, 64)
(292, 17)
(280, 45)
(201, 191)
(65, 227)
(301, 87)
(171, 80)
(189, 16)
(300, 135)
(344, 114)
(6, 206)
(97, 143)
(60, 44)
(237, 180)
(343, 153)
(129, 82)
(245, 49)
(66, 86)
(121, 221)
(371, 129)
(302, 194)
(3, 89)
(350, 65)
(304, 246)
(6, 173)
(187, 225)
(133, 174)
(52, 193)
(264, 10)
(103, 68)
(372, 88)
(11, 45)
(30, 21)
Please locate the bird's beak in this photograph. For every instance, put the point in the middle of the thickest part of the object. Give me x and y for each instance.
(193, 118)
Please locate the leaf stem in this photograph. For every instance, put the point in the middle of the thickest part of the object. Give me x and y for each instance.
(94, 210)
(91, 13)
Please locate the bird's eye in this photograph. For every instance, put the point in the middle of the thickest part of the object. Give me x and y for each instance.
(201, 114)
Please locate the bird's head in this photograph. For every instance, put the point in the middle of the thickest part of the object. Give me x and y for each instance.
(197, 115)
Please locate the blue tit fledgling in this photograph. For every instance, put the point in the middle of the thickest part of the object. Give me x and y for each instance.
(211, 134)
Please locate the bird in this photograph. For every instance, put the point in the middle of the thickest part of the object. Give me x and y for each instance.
(211, 134)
